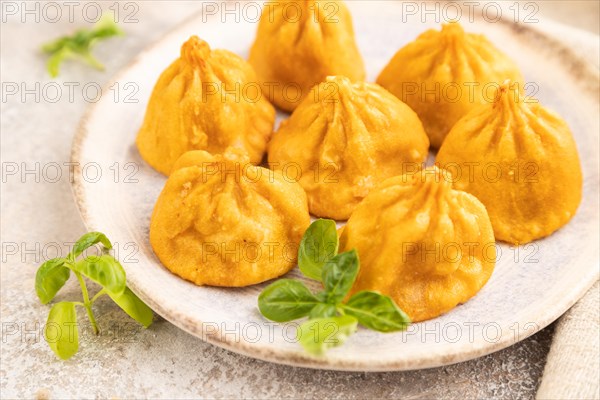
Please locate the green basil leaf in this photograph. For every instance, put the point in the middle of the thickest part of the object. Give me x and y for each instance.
(133, 306)
(105, 28)
(323, 310)
(318, 335)
(53, 64)
(88, 240)
(104, 270)
(79, 44)
(322, 296)
(376, 311)
(51, 276)
(286, 300)
(61, 331)
(339, 275)
(319, 244)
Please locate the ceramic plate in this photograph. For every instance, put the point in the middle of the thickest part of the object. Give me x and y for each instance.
(531, 286)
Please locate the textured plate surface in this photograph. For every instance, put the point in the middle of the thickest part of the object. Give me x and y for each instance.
(531, 286)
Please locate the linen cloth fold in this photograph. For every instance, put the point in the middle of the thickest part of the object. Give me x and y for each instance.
(573, 367)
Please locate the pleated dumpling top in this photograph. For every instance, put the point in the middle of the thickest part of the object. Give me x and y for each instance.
(301, 42)
(521, 161)
(344, 139)
(221, 221)
(421, 242)
(444, 74)
(204, 101)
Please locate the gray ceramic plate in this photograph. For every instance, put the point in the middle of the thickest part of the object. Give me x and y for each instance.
(531, 286)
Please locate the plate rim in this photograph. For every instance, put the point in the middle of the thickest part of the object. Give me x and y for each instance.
(297, 359)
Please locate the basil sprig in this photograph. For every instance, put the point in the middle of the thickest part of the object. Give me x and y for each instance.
(61, 330)
(330, 320)
(79, 45)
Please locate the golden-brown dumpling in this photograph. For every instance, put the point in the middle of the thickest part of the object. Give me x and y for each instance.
(521, 161)
(205, 101)
(344, 139)
(299, 43)
(221, 221)
(444, 74)
(427, 246)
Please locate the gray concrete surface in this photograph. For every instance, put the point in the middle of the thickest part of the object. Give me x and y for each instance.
(163, 361)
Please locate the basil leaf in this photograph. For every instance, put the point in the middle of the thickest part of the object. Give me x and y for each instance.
(133, 306)
(376, 311)
(286, 300)
(61, 331)
(323, 310)
(322, 296)
(104, 270)
(319, 244)
(51, 276)
(339, 275)
(86, 241)
(79, 44)
(318, 335)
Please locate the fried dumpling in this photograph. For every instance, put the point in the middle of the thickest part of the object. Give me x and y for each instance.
(205, 101)
(298, 44)
(444, 74)
(224, 222)
(344, 139)
(521, 161)
(427, 246)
